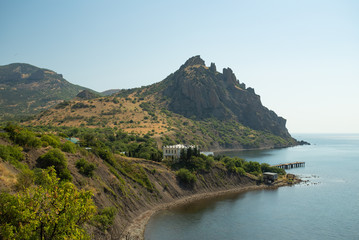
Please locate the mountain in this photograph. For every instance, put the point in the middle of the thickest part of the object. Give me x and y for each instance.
(110, 92)
(87, 94)
(26, 89)
(201, 92)
(194, 105)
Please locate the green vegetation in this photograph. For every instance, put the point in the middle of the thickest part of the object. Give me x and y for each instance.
(105, 217)
(11, 153)
(22, 137)
(68, 147)
(234, 165)
(192, 160)
(185, 176)
(136, 173)
(49, 139)
(56, 158)
(52, 210)
(32, 99)
(265, 167)
(85, 167)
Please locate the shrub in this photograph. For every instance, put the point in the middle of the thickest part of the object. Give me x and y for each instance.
(68, 147)
(85, 167)
(106, 155)
(104, 218)
(51, 140)
(185, 176)
(27, 138)
(252, 167)
(265, 167)
(56, 158)
(56, 210)
(25, 179)
(11, 153)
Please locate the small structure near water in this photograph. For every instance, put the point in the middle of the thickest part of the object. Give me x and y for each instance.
(269, 177)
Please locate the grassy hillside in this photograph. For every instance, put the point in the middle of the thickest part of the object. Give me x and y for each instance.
(140, 115)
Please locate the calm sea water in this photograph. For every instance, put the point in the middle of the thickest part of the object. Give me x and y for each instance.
(327, 207)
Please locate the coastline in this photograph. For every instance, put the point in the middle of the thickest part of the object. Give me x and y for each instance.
(136, 229)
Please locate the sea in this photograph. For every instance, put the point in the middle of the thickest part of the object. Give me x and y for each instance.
(324, 206)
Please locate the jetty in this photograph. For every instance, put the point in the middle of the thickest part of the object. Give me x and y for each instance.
(290, 165)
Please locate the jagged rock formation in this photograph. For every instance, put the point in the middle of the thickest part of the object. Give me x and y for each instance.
(199, 92)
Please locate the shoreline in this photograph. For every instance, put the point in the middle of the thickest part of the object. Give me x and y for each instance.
(136, 229)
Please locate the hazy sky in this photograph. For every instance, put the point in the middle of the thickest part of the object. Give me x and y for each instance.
(300, 56)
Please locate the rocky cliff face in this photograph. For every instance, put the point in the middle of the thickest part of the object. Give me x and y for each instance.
(199, 92)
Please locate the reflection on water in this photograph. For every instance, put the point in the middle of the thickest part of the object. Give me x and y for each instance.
(324, 207)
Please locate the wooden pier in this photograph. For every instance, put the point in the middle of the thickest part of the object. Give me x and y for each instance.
(290, 165)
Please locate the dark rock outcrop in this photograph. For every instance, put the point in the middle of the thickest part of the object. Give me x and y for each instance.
(199, 92)
(87, 95)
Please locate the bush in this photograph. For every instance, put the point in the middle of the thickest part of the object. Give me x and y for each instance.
(22, 136)
(106, 155)
(11, 153)
(234, 165)
(51, 140)
(68, 147)
(185, 176)
(25, 179)
(56, 210)
(267, 168)
(104, 218)
(56, 158)
(253, 168)
(27, 138)
(85, 167)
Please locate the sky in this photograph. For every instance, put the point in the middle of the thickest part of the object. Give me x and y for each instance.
(300, 56)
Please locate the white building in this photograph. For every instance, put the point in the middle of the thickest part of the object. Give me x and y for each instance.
(173, 152)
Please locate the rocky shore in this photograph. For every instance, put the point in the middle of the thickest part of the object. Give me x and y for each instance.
(136, 229)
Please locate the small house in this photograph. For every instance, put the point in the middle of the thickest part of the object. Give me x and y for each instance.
(270, 177)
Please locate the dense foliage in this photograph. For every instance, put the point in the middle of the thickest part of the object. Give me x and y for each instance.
(56, 158)
(11, 153)
(185, 176)
(52, 210)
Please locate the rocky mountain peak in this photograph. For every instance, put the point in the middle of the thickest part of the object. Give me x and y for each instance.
(196, 60)
(201, 93)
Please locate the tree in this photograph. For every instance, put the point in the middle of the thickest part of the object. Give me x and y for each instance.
(186, 177)
(53, 210)
(56, 158)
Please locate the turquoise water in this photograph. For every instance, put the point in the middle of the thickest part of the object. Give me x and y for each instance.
(326, 207)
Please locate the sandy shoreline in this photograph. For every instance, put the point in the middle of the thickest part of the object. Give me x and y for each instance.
(136, 229)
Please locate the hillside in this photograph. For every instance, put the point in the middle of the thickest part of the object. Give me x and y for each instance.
(129, 186)
(26, 90)
(194, 105)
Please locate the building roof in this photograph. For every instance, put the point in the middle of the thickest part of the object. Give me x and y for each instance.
(270, 173)
(180, 146)
(74, 140)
